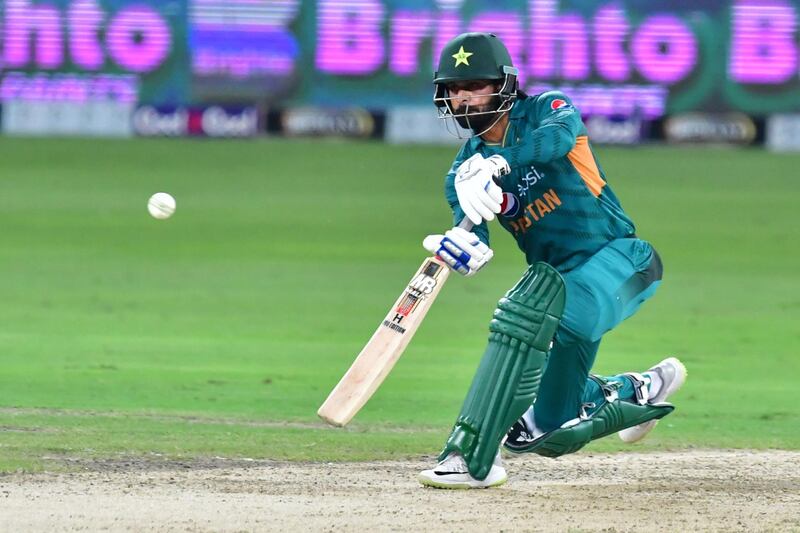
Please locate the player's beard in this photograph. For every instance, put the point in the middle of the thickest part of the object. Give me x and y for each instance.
(480, 123)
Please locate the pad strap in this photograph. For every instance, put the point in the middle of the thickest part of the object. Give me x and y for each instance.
(641, 387)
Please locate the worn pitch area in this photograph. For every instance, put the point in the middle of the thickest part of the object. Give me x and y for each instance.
(670, 491)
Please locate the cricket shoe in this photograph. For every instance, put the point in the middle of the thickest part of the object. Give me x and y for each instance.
(522, 433)
(666, 378)
(452, 473)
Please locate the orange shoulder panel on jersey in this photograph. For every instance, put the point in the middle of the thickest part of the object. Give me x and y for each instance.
(582, 159)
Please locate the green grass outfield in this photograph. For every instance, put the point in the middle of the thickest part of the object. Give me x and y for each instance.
(220, 331)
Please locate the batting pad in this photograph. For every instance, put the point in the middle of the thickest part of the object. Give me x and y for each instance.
(612, 416)
(509, 374)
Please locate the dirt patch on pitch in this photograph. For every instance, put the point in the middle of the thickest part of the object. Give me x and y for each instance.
(679, 491)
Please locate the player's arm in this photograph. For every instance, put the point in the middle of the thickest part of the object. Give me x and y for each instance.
(475, 187)
(481, 229)
(559, 124)
(464, 251)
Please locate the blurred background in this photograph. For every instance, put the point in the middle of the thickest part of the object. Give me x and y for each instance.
(301, 143)
(699, 71)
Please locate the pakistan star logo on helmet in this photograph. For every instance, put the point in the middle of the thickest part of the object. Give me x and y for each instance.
(475, 57)
(461, 57)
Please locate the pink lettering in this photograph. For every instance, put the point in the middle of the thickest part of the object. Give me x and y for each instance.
(44, 22)
(548, 28)
(85, 19)
(664, 49)
(448, 26)
(610, 30)
(138, 39)
(349, 37)
(508, 28)
(409, 29)
(763, 48)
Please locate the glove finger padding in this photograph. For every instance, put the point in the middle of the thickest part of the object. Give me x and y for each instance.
(432, 243)
(460, 249)
(496, 193)
(480, 198)
(471, 244)
(453, 261)
(478, 195)
(435, 244)
(487, 194)
(467, 192)
(470, 212)
(473, 252)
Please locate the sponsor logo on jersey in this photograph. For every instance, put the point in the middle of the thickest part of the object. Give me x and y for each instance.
(558, 103)
(531, 178)
(510, 205)
(539, 208)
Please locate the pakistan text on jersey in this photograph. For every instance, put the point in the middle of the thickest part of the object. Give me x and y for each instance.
(534, 211)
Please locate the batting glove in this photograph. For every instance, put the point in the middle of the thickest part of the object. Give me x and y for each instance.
(478, 194)
(460, 249)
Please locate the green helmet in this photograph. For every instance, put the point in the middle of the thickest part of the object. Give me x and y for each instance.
(474, 56)
(469, 57)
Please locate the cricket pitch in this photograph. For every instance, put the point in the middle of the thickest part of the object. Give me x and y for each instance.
(719, 490)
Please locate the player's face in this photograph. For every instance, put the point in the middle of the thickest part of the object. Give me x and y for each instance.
(476, 94)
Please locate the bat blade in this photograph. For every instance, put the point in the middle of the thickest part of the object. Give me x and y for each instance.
(386, 345)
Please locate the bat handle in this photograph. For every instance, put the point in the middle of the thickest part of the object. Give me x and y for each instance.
(466, 224)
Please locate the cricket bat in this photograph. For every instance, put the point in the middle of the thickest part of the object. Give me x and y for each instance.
(388, 342)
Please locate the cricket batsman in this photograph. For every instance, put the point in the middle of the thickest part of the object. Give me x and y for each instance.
(529, 162)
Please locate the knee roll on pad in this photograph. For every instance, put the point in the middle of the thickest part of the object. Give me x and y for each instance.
(509, 374)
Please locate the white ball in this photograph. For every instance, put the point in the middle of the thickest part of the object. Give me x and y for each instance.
(161, 205)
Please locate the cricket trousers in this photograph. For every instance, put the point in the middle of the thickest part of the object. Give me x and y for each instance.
(603, 291)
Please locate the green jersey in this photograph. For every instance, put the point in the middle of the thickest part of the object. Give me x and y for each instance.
(556, 201)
